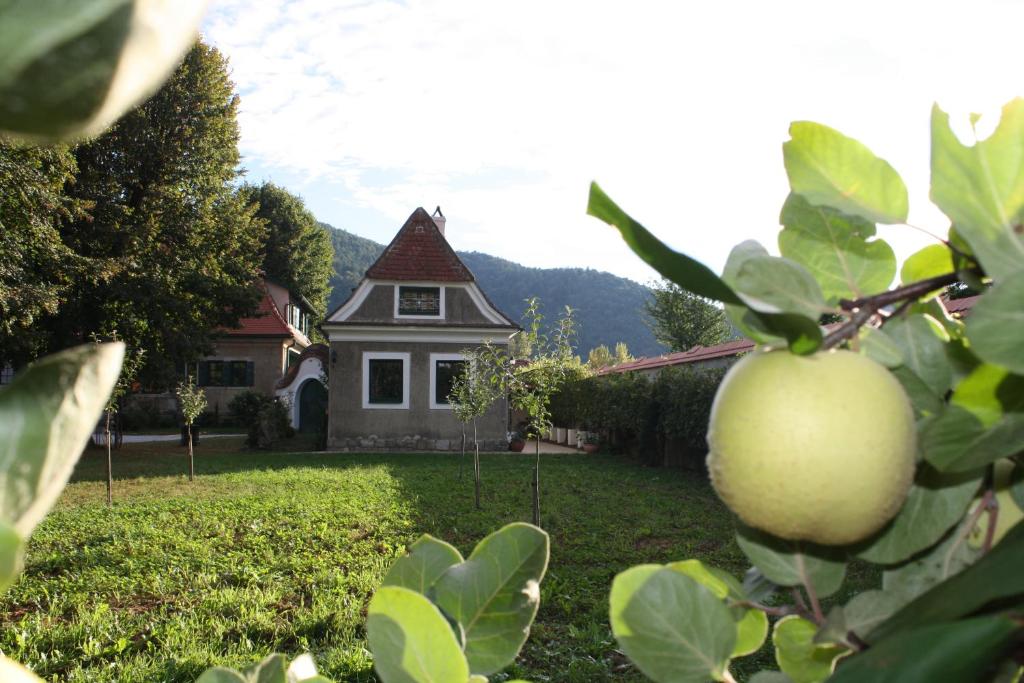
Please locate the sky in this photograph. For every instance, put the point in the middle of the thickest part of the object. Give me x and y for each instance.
(502, 113)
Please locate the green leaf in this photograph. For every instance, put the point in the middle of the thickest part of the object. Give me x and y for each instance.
(996, 324)
(834, 248)
(914, 578)
(73, 69)
(674, 629)
(426, 560)
(798, 655)
(859, 616)
(49, 411)
(826, 167)
(994, 578)
(769, 284)
(801, 333)
(924, 352)
(411, 641)
(751, 624)
(932, 261)
(958, 652)
(935, 503)
(688, 273)
(495, 594)
(220, 674)
(789, 563)
(925, 401)
(981, 188)
(770, 677)
(957, 441)
(990, 392)
(12, 555)
(12, 672)
(1017, 484)
(271, 670)
(879, 347)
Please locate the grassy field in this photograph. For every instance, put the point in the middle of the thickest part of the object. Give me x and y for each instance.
(282, 551)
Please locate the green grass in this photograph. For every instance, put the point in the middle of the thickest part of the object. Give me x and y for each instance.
(282, 552)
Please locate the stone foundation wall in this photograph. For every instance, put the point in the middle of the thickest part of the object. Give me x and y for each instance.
(374, 443)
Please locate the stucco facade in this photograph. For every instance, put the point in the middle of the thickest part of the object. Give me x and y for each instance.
(416, 311)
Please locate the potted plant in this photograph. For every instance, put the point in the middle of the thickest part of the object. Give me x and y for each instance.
(517, 439)
(591, 443)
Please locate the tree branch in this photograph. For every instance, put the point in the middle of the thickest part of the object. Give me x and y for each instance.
(863, 309)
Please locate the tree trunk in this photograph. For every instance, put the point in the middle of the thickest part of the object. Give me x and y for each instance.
(536, 487)
(110, 467)
(462, 460)
(191, 464)
(476, 466)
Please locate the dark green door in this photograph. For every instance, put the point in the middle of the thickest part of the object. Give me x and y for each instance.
(312, 406)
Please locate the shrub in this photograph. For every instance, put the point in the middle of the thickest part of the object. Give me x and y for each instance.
(265, 418)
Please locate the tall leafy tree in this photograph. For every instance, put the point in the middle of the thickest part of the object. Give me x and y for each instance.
(185, 248)
(36, 267)
(681, 320)
(299, 253)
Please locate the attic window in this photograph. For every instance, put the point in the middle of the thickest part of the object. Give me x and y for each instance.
(419, 301)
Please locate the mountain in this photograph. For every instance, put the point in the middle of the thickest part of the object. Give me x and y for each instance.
(608, 308)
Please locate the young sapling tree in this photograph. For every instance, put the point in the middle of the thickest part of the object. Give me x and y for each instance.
(470, 397)
(193, 402)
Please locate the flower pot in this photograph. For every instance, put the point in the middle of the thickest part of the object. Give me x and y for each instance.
(590, 448)
(571, 437)
(516, 445)
(560, 435)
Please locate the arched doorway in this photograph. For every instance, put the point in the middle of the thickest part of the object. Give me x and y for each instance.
(312, 406)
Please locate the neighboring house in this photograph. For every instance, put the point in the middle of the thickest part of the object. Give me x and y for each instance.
(259, 351)
(724, 355)
(397, 343)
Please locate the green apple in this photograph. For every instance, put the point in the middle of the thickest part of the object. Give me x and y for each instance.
(1010, 513)
(818, 448)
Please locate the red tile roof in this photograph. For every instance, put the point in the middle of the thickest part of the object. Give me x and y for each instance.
(419, 252)
(959, 307)
(268, 321)
(697, 353)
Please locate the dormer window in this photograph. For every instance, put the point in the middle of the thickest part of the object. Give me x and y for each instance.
(298, 319)
(419, 302)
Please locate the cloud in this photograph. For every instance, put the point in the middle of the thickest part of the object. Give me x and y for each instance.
(678, 109)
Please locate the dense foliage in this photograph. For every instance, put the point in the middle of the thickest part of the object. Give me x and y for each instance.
(947, 608)
(608, 309)
(36, 268)
(298, 251)
(660, 419)
(681, 320)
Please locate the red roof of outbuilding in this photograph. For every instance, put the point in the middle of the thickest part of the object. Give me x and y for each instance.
(268, 321)
(419, 252)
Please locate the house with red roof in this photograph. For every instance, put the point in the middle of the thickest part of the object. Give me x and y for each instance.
(727, 353)
(397, 342)
(259, 351)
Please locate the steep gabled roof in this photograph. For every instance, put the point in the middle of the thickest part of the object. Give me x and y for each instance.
(268, 321)
(419, 252)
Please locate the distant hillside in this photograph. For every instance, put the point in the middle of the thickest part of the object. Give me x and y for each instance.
(609, 308)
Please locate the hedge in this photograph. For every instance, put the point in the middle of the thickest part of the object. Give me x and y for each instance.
(655, 419)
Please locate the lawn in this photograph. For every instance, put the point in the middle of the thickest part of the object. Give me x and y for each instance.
(282, 551)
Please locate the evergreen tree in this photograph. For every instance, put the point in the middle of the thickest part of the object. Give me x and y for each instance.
(298, 252)
(183, 246)
(681, 320)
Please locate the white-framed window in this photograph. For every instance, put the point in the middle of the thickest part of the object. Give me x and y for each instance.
(419, 301)
(385, 380)
(444, 368)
